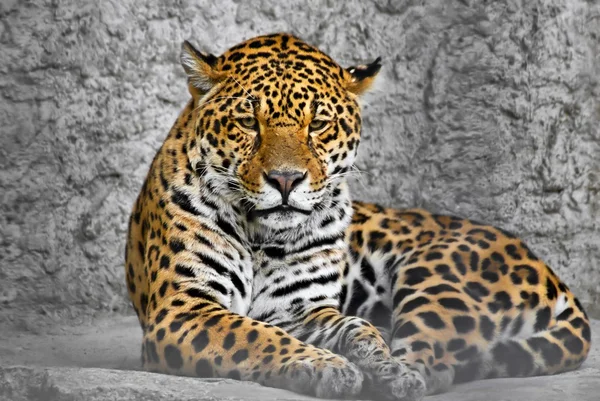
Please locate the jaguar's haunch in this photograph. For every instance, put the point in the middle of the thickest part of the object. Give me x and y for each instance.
(247, 259)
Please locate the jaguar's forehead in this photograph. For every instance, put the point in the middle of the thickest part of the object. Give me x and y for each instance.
(277, 57)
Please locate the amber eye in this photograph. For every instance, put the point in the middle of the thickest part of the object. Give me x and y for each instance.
(248, 122)
(317, 125)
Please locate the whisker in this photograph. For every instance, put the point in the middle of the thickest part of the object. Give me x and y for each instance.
(223, 182)
(244, 89)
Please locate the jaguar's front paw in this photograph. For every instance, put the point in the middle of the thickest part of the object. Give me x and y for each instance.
(392, 380)
(331, 376)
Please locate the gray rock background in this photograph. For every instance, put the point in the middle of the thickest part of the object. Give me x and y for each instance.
(485, 109)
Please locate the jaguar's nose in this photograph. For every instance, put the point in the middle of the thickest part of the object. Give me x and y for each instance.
(284, 181)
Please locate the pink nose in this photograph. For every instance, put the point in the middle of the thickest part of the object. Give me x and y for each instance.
(284, 182)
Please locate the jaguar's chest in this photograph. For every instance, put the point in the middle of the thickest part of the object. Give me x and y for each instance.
(260, 271)
(283, 279)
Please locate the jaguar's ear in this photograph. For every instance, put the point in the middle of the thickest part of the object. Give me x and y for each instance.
(362, 76)
(200, 69)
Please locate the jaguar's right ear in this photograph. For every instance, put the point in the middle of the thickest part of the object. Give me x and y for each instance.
(201, 70)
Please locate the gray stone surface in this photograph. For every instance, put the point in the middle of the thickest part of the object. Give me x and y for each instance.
(486, 109)
(53, 384)
(96, 362)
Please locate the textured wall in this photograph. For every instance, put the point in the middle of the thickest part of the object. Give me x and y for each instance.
(487, 109)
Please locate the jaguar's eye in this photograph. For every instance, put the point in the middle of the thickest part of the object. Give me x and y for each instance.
(317, 125)
(248, 122)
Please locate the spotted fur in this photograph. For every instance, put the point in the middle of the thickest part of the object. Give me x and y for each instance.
(247, 259)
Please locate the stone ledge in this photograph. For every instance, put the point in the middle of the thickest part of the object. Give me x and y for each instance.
(93, 384)
(19, 383)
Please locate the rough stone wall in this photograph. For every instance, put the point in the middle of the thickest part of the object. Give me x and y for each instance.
(486, 109)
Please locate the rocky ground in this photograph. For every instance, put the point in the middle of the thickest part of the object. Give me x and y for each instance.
(101, 362)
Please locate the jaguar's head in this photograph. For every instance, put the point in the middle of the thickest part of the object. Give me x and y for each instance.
(277, 124)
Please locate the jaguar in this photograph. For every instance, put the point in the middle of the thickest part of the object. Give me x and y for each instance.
(247, 259)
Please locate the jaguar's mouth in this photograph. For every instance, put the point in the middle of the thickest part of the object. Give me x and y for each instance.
(281, 209)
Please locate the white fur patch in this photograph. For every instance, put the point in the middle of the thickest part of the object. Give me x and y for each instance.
(561, 304)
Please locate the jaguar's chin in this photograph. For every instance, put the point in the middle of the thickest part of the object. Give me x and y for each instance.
(280, 217)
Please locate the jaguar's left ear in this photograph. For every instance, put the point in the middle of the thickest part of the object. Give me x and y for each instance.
(362, 76)
(201, 70)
